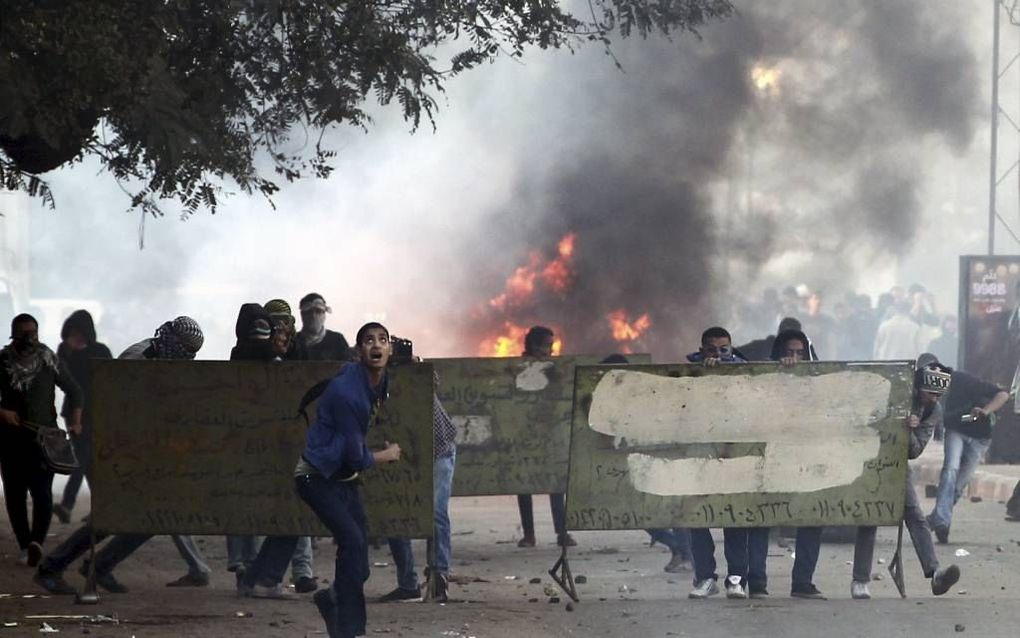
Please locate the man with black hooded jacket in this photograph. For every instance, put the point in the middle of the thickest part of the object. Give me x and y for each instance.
(77, 348)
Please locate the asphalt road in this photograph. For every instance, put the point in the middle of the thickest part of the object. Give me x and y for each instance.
(626, 594)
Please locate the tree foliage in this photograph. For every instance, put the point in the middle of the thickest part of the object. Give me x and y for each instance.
(181, 96)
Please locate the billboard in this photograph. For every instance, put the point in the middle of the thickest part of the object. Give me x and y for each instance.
(990, 337)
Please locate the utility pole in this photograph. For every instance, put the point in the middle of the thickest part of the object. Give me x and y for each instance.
(993, 177)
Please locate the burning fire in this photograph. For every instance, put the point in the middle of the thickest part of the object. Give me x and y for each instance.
(511, 342)
(766, 79)
(555, 274)
(625, 331)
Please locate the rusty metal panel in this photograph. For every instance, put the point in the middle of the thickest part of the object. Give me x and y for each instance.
(513, 421)
(210, 447)
(739, 445)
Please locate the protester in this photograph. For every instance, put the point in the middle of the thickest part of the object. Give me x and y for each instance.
(29, 375)
(327, 475)
(444, 458)
(716, 348)
(286, 346)
(899, 336)
(970, 407)
(538, 342)
(179, 339)
(931, 381)
(77, 348)
(761, 349)
(320, 343)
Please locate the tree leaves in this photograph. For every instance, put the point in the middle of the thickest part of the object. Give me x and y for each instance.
(190, 92)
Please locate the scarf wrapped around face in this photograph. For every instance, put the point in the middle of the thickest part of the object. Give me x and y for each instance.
(181, 338)
(23, 369)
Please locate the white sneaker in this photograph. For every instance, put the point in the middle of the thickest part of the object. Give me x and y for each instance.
(23, 557)
(859, 591)
(704, 589)
(735, 588)
(275, 592)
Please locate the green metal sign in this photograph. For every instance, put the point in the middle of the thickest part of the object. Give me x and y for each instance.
(210, 447)
(739, 445)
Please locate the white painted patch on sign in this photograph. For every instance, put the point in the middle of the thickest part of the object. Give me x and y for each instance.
(533, 377)
(472, 429)
(815, 429)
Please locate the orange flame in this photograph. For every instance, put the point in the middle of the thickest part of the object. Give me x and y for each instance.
(556, 274)
(625, 331)
(510, 343)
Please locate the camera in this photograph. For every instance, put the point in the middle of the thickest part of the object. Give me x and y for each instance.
(403, 350)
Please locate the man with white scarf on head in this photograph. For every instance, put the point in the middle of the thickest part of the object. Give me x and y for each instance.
(320, 343)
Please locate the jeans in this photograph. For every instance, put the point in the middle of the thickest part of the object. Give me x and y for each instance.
(807, 547)
(962, 454)
(734, 546)
(123, 545)
(338, 505)
(400, 548)
(920, 536)
(757, 556)
(270, 564)
(678, 540)
(82, 444)
(241, 552)
(301, 562)
(558, 507)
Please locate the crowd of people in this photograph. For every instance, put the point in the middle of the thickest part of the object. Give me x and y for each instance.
(326, 476)
(900, 324)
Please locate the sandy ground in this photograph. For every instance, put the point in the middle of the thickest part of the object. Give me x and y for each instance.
(626, 593)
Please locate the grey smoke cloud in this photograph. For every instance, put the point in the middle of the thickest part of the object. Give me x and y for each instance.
(651, 168)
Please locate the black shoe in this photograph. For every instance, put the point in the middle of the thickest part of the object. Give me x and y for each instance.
(758, 591)
(400, 595)
(326, 605)
(941, 532)
(808, 591)
(54, 583)
(442, 587)
(305, 585)
(106, 581)
(62, 513)
(944, 579)
(190, 580)
(34, 554)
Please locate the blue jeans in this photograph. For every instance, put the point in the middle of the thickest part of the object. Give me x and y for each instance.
(807, 547)
(962, 454)
(241, 551)
(734, 546)
(400, 548)
(301, 563)
(270, 564)
(339, 507)
(757, 556)
(678, 540)
(123, 545)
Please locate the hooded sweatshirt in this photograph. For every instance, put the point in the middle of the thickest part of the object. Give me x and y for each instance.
(77, 362)
(253, 323)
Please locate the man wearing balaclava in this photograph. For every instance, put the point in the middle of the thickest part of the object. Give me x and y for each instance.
(321, 344)
(29, 372)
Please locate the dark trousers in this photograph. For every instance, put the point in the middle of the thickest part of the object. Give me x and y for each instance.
(23, 472)
(83, 450)
(757, 557)
(678, 540)
(271, 562)
(67, 552)
(734, 546)
(339, 507)
(558, 506)
(920, 535)
(807, 548)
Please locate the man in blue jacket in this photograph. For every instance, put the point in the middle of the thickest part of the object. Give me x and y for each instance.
(326, 476)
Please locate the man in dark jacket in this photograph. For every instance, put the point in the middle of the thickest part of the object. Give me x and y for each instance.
(931, 381)
(320, 343)
(77, 348)
(716, 349)
(29, 374)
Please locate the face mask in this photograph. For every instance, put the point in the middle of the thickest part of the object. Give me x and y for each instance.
(315, 323)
